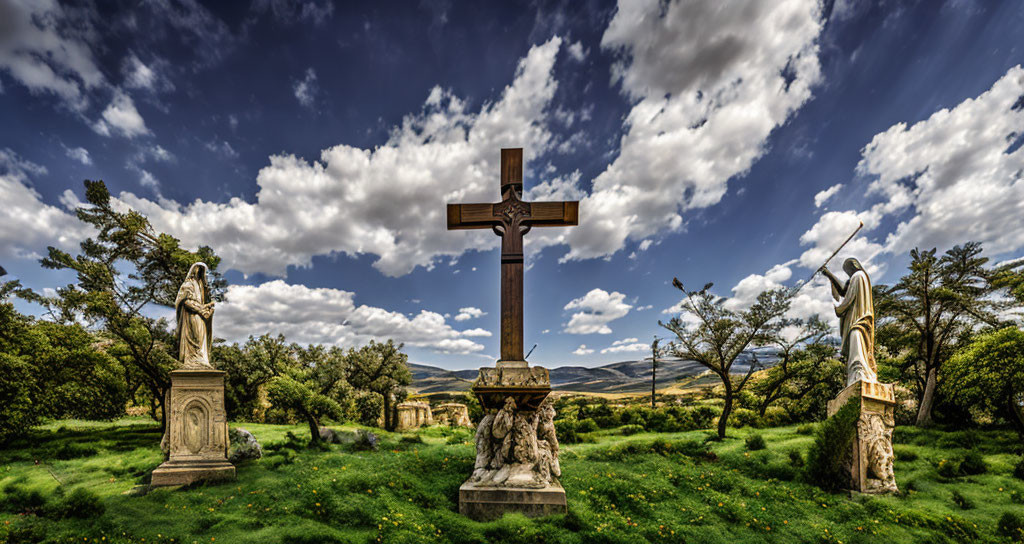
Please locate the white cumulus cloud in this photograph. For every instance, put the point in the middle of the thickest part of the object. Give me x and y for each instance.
(822, 196)
(709, 82)
(387, 201)
(121, 117)
(597, 308)
(329, 316)
(469, 313)
(582, 350)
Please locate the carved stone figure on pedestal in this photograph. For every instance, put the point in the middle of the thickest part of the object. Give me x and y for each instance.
(195, 439)
(871, 461)
(516, 468)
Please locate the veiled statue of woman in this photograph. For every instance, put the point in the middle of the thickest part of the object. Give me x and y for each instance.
(856, 321)
(194, 313)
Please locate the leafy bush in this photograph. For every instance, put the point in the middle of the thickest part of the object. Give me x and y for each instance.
(587, 426)
(973, 463)
(905, 454)
(949, 468)
(1011, 525)
(963, 502)
(369, 407)
(755, 442)
(796, 458)
(566, 431)
(743, 417)
(80, 503)
(18, 500)
(833, 445)
(629, 430)
(703, 416)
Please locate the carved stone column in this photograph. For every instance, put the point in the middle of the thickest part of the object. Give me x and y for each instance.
(516, 468)
(871, 461)
(196, 436)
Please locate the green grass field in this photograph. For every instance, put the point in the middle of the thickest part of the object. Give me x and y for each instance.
(640, 488)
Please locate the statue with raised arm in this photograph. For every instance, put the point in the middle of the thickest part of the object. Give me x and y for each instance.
(194, 313)
(856, 321)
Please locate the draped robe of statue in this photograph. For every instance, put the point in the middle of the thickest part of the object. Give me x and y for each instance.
(857, 325)
(195, 331)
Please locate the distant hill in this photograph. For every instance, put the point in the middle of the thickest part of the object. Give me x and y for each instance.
(621, 377)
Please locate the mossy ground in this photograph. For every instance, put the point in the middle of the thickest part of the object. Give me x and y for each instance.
(638, 488)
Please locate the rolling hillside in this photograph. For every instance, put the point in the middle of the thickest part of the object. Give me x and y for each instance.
(621, 377)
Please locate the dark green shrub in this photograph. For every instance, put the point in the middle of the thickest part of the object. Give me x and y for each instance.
(949, 468)
(628, 430)
(973, 463)
(566, 431)
(412, 439)
(832, 447)
(805, 429)
(80, 503)
(743, 417)
(18, 500)
(703, 416)
(905, 454)
(27, 530)
(755, 442)
(796, 458)
(586, 426)
(1012, 526)
(1018, 471)
(963, 502)
(369, 407)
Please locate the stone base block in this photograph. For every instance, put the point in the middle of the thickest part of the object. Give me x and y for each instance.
(871, 461)
(487, 503)
(187, 472)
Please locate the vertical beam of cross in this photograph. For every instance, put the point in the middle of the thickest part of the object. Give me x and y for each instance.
(511, 219)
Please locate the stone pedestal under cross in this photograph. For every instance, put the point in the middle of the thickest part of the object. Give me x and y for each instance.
(516, 467)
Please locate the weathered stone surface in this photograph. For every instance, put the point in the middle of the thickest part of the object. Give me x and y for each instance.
(243, 446)
(453, 414)
(517, 448)
(871, 462)
(413, 415)
(196, 438)
(487, 503)
(188, 472)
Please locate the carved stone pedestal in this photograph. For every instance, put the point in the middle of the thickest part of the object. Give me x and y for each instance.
(196, 439)
(487, 503)
(870, 463)
(516, 467)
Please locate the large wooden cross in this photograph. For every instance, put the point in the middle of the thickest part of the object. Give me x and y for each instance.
(511, 219)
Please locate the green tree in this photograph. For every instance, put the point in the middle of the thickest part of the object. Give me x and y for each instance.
(314, 386)
(720, 335)
(934, 305)
(382, 368)
(18, 385)
(986, 377)
(51, 370)
(799, 363)
(250, 367)
(124, 270)
(655, 353)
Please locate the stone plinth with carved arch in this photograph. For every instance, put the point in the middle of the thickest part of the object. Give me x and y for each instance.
(196, 438)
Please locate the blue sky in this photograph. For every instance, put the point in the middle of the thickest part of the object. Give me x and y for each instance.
(314, 145)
